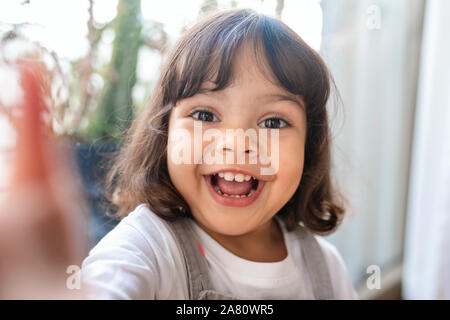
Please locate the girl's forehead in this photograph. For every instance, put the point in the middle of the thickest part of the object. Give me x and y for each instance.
(260, 90)
(247, 67)
(248, 64)
(250, 57)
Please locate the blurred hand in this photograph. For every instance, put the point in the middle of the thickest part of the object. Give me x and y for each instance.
(43, 225)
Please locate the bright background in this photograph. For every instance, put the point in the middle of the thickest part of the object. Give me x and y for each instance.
(374, 49)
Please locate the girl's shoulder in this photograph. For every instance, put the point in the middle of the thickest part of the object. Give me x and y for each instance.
(143, 230)
(151, 227)
(136, 259)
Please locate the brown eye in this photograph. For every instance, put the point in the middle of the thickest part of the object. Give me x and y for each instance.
(273, 123)
(204, 115)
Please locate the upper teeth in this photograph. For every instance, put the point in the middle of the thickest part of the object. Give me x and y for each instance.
(239, 177)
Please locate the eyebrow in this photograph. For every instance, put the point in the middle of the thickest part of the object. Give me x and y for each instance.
(265, 98)
(275, 97)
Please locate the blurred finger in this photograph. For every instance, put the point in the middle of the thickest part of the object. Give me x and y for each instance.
(30, 129)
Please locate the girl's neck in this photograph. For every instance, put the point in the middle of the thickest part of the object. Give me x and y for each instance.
(263, 245)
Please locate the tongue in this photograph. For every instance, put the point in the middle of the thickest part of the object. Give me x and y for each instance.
(234, 187)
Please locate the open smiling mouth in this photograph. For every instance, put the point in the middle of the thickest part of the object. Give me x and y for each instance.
(234, 189)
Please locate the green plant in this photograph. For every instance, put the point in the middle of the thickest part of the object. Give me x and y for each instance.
(115, 110)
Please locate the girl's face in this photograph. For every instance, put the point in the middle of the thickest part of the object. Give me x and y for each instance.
(221, 197)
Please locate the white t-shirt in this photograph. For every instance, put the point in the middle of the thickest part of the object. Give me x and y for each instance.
(140, 259)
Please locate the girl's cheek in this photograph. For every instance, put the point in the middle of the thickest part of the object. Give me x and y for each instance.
(179, 158)
(291, 157)
(184, 177)
(180, 142)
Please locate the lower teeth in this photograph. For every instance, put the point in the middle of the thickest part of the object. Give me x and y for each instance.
(234, 195)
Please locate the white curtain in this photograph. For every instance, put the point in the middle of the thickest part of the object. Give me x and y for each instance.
(375, 65)
(427, 246)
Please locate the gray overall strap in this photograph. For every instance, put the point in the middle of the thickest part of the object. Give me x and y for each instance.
(197, 267)
(316, 265)
(199, 284)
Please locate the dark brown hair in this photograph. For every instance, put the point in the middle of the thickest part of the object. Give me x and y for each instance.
(206, 52)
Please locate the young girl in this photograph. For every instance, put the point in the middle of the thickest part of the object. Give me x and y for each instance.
(223, 230)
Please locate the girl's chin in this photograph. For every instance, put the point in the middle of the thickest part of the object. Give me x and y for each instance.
(227, 225)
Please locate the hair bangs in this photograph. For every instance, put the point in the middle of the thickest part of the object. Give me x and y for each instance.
(280, 54)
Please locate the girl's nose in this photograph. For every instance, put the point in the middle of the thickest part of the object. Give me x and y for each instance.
(238, 143)
(231, 149)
